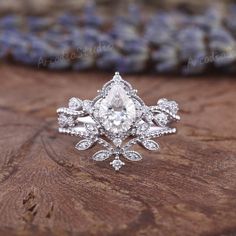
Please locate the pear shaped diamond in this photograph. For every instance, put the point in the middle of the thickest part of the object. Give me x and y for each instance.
(117, 110)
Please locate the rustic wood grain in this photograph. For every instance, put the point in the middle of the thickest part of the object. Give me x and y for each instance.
(48, 188)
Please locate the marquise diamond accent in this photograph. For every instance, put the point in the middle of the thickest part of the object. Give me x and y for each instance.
(132, 156)
(170, 106)
(84, 144)
(150, 145)
(101, 155)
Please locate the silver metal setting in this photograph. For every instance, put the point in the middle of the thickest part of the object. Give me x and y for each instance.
(117, 119)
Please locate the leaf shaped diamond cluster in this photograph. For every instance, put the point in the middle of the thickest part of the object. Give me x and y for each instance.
(117, 119)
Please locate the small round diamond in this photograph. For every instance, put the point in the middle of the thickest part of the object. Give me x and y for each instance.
(117, 142)
(171, 106)
(64, 120)
(161, 119)
(75, 103)
(117, 164)
(87, 106)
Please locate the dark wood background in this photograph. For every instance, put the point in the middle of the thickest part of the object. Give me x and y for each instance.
(49, 188)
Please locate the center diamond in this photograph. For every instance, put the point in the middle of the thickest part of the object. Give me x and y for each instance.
(117, 110)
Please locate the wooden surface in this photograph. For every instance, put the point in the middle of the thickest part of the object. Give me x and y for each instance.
(49, 188)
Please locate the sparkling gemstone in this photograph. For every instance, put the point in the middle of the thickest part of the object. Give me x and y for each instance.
(87, 106)
(75, 103)
(101, 155)
(147, 114)
(117, 77)
(142, 127)
(117, 141)
(161, 119)
(150, 145)
(117, 164)
(96, 113)
(84, 144)
(171, 106)
(132, 156)
(117, 110)
(64, 120)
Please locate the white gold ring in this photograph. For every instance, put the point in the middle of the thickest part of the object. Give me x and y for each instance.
(117, 119)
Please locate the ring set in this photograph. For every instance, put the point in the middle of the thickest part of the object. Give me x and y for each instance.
(117, 119)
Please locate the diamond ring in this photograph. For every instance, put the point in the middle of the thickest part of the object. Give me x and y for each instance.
(117, 119)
